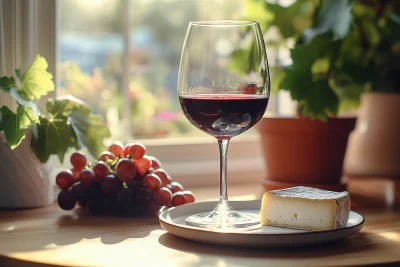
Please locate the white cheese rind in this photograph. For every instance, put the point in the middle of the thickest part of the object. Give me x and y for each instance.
(305, 208)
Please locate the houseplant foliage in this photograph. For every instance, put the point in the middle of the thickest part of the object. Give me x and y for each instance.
(339, 48)
(66, 123)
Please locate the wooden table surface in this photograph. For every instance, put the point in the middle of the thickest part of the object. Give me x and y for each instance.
(49, 236)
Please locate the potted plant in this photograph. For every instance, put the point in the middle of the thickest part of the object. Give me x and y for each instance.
(340, 50)
(29, 136)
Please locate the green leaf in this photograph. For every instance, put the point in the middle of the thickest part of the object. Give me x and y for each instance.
(320, 66)
(294, 19)
(23, 102)
(6, 83)
(89, 130)
(312, 91)
(54, 137)
(14, 124)
(320, 100)
(332, 16)
(64, 106)
(27, 117)
(36, 81)
(296, 81)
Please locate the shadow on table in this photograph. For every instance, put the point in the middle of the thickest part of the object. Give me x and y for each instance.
(75, 226)
(110, 230)
(356, 243)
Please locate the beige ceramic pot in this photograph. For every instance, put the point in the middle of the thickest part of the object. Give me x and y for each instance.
(301, 151)
(374, 146)
(24, 181)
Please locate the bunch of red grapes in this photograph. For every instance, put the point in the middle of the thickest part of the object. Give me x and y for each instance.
(124, 181)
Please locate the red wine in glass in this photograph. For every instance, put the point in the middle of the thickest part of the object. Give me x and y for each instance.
(224, 115)
(222, 100)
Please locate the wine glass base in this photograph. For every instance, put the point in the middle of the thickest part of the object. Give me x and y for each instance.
(224, 217)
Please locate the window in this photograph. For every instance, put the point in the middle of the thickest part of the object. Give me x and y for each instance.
(122, 57)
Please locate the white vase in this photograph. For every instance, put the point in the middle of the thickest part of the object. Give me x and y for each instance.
(24, 181)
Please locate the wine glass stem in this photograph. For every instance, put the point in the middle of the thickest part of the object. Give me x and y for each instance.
(223, 157)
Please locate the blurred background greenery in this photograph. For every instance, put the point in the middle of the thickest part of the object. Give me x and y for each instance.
(91, 50)
(326, 53)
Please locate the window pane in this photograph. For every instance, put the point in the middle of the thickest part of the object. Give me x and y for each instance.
(91, 50)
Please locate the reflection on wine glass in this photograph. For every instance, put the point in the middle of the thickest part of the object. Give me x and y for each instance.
(223, 89)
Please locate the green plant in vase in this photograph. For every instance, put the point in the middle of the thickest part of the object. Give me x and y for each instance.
(64, 123)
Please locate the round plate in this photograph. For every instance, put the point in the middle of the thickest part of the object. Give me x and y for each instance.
(173, 221)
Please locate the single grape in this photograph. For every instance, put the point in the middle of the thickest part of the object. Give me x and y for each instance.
(176, 187)
(145, 162)
(137, 151)
(138, 210)
(125, 170)
(78, 160)
(126, 149)
(163, 197)
(164, 176)
(106, 155)
(86, 176)
(155, 162)
(189, 196)
(144, 196)
(78, 190)
(126, 200)
(117, 148)
(152, 182)
(140, 171)
(96, 205)
(64, 179)
(93, 191)
(100, 170)
(111, 185)
(111, 206)
(134, 185)
(66, 200)
(178, 199)
(125, 195)
(75, 173)
(152, 208)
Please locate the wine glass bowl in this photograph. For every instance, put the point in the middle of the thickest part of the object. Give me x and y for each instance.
(223, 89)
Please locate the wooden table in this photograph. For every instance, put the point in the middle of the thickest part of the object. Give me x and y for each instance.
(49, 236)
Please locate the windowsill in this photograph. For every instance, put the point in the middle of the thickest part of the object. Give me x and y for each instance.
(195, 161)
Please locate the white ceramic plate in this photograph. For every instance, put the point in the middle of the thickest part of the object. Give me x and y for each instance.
(173, 221)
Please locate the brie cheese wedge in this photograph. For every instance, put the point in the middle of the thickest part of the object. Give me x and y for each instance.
(305, 208)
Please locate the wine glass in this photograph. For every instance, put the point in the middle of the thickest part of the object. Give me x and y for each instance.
(223, 89)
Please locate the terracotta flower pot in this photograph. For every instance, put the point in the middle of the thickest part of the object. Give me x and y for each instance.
(374, 146)
(300, 151)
